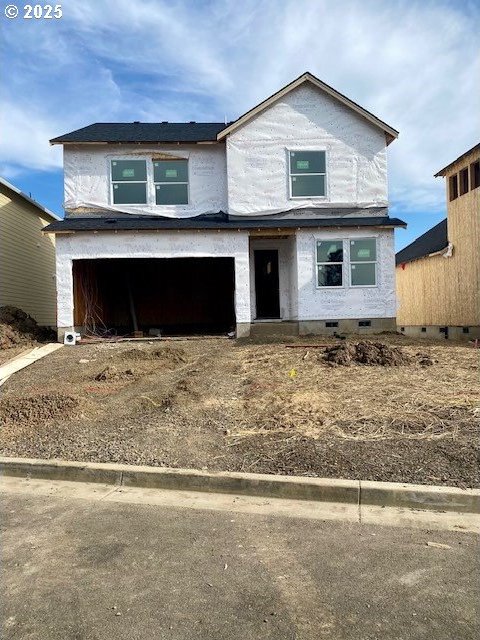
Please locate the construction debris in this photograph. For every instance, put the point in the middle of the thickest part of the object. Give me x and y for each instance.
(25, 359)
(438, 545)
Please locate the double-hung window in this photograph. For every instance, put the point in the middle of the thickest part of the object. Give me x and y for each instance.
(171, 181)
(307, 174)
(129, 181)
(363, 262)
(330, 263)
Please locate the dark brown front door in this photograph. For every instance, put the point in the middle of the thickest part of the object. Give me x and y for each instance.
(267, 293)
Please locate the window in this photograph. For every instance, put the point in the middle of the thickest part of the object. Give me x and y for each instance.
(363, 262)
(463, 181)
(129, 181)
(475, 175)
(330, 263)
(171, 181)
(453, 187)
(307, 174)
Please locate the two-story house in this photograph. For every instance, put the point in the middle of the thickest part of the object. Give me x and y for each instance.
(438, 275)
(277, 222)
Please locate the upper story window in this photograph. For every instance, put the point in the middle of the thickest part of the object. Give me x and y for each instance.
(129, 181)
(307, 174)
(453, 187)
(463, 181)
(171, 181)
(475, 175)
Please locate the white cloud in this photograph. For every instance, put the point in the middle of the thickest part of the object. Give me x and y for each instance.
(414, 64)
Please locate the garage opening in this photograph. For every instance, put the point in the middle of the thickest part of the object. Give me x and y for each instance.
(176, 296)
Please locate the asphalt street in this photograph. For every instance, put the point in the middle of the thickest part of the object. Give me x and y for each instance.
(83, 569)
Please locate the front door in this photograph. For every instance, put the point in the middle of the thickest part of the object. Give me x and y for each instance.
(267, 292)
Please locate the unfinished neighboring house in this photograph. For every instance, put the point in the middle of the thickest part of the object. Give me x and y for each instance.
(277, 222)
(27, 256)
(438, 275)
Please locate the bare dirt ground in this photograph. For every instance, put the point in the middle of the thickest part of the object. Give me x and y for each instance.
(263, 407)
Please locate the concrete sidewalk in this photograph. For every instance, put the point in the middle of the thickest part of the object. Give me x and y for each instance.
(82, 568)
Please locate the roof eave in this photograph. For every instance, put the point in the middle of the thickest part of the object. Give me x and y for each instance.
(31, 201)
(100, 142)
(443, 171)
(95, 225)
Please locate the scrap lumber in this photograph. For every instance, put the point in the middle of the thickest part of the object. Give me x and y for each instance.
(25, 359)
(308, 346)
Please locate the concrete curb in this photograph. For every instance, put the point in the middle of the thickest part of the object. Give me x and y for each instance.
(358, 492)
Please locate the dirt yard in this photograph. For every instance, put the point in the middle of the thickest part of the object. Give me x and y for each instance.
(218, 404)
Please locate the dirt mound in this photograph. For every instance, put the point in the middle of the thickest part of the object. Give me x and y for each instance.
(167, 355)
(11, 338)
(111, 374)
(17, 328)
(35, 409)
(368, 353)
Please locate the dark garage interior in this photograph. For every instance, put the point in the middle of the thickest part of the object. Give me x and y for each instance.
(178, 296)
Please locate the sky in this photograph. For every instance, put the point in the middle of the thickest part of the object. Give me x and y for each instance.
(416, 65)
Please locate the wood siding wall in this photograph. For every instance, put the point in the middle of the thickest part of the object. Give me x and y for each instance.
(27, 259)
(446, 291)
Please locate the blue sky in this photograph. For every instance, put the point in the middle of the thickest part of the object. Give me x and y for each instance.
(414, 64)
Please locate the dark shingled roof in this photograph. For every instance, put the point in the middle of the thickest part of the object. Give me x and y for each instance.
(435, 239)
(144, 132)
(212, 221)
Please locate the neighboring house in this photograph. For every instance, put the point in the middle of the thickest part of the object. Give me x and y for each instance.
(438, 275)
(27, 256)
(275, 222)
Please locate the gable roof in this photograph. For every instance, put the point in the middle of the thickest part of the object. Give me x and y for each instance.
(24, 196)
(433, 240)
(193, 132)
(390, 132)
(443, 171)
(144, 132)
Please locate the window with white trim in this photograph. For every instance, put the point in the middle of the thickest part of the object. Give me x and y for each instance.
(129, 181)
(329, 259)
(307, 174)
(171, 181)
(363, 262)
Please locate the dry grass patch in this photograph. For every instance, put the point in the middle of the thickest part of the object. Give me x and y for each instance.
(227, 405)
(358, 402)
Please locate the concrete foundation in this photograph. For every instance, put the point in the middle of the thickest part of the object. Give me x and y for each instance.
(360, 326)
(264, 329)
(324, 328)
(243, 329)
(439, 332)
